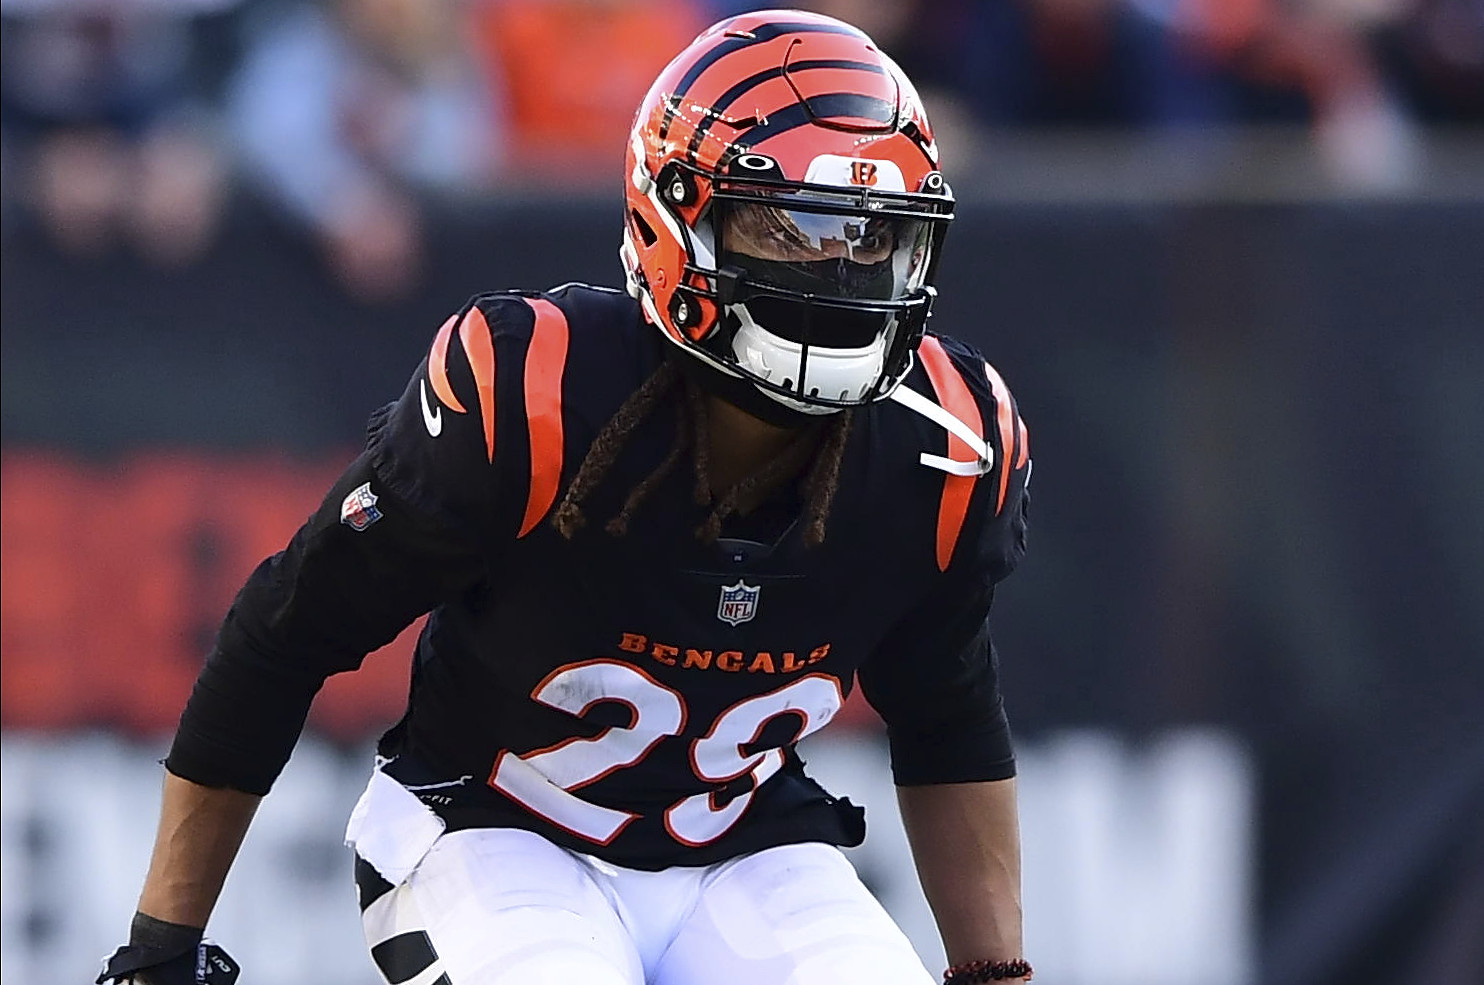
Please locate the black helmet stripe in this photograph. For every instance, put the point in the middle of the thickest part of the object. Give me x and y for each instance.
(727, 45)
(833, 104)
(736, 92)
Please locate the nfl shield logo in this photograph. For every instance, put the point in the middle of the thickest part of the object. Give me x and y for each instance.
(738, 603)
(359, 511)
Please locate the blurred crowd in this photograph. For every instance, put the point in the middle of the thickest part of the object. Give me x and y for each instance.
(135, 123)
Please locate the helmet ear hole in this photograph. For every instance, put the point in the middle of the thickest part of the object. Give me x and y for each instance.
(645, 231)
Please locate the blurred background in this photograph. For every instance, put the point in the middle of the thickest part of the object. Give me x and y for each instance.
(1228, 253)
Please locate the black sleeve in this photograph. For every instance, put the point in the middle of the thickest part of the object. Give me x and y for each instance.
(404, 529)
(934, 678)
(935, 682)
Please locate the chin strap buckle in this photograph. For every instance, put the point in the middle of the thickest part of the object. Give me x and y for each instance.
(729, 285)
(983, 461)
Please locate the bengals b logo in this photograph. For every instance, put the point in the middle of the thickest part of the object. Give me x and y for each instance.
(862, 173)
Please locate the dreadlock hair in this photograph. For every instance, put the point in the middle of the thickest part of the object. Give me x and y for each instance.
(697, 403)
(825, 443)
(619, 525)
(824, 477)
(751, 489)
(569, 517)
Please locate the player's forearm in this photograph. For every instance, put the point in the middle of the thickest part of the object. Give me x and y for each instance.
(966, 843)
(200, 830)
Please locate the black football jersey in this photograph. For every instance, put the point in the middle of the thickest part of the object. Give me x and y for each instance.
(636, 697)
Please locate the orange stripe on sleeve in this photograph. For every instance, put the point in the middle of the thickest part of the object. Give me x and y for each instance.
(1005, 421)
(1025, 443)
(438, 368)
(545, 361)
(953, 394)
(474, 335)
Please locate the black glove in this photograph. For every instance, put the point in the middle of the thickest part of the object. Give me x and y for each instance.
(161, 953)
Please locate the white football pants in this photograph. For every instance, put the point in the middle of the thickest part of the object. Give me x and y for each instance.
(500, 906)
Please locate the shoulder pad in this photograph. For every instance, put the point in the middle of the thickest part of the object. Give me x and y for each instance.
(532, 333)
(965, 387)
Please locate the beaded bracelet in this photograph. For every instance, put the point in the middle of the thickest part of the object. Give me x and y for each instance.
(978, 972)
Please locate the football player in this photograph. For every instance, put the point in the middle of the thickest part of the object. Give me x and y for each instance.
(660, 534)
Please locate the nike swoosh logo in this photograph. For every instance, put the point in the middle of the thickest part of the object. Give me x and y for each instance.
(433, 419)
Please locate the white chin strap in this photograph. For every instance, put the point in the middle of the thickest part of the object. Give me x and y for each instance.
(834, 374)
(983, 460)
(848, 374)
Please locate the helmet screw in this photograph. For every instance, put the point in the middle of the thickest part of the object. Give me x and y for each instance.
(678, 191)
(682, 314)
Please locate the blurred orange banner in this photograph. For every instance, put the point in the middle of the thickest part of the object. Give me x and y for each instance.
(116, 575)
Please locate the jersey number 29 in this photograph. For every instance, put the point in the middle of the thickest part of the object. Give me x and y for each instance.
(545, 780)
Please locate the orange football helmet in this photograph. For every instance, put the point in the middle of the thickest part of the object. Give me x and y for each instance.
(785, 210)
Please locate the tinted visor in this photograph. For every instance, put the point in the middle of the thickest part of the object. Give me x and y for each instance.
(853, 257)
(823, 257)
